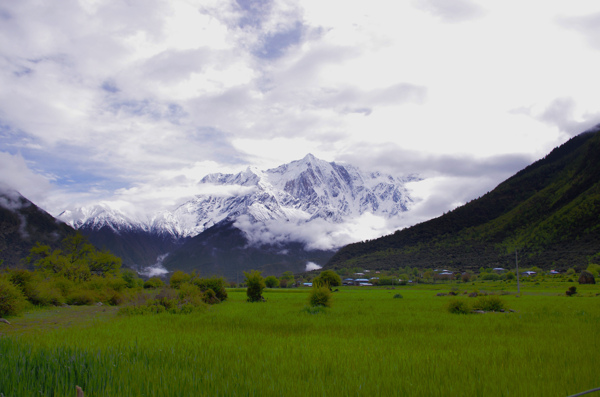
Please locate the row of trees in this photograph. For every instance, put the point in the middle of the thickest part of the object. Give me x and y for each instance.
(74, 274)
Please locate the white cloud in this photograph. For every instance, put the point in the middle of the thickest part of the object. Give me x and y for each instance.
(16, 175)
(312, 266)
(136, 101)
(317, 234)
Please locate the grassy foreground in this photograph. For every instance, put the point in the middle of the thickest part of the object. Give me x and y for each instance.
(368, 343)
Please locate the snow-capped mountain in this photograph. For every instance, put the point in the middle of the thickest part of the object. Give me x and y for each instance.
(268, 204)
(300, 191)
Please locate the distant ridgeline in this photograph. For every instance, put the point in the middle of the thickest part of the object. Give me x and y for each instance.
(549, 212)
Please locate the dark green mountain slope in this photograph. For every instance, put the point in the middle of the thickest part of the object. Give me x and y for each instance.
(224, 250)
(549, 211)
(22, 224)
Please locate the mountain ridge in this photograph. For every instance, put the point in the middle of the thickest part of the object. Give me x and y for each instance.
(295, 195)
(544, 211)
(22, 225)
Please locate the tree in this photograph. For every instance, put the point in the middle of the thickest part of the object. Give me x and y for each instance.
(428, 275)
(286, 279)
(256, 284)
(329, 278)
(153, 283)
(271, 282)
(131, 279)
(216, 284)
(178, 278)
(76, 260)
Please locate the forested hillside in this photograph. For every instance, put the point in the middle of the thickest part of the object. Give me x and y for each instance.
(22, 225)
(549, 212)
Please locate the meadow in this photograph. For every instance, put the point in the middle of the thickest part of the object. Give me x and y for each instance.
(368, 343)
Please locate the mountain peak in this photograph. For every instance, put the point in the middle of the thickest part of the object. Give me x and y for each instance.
(309, 157)
(295, 193)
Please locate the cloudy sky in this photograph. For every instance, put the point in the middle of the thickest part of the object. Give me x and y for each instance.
(134, 101)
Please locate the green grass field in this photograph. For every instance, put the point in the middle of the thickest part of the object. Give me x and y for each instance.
(368, 343)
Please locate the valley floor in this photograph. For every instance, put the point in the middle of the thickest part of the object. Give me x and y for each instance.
(372, 341)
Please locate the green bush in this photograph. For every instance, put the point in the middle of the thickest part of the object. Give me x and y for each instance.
(131, 279)
(320, 295)
(64, 285)
(256, 284)
(116, 283)
(12, 300)
(286, 280)
(458, 306)
(21, 277)
(45, 294)
(329, 278)
(154, 283)
(489, 303)
(271, 282)
(81, 297)
(210, 297)
(490, 276)
(168, 300)
(178, 278)
(217, 284)
(115, 298)
(189, 291)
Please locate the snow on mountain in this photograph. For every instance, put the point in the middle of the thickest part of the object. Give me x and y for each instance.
(301, 192)
(98, 216)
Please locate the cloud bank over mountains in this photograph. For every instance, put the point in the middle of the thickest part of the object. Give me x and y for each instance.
(133, 103)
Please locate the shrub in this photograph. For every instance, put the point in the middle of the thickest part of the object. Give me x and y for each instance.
(188, 292)
(217, 284)
(81, 297)
(329, 278)
(320, 295)
(586, 278)
(271, 282)
(179, 278)
(64, 285)
(489, 303)
(398, 296)
(594, 269)
(465, 277)
(286, 279)
(571, 291)
(458, 306)
(12, 300)
(45, 294)
(115, 298)
(131, 279)
(209, 297)
(490, 276)
(256, 284)
(116, 283)
(168, 300)
(21, 277)
(153, 283)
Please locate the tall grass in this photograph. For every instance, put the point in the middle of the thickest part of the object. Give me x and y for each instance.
(367, 344)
